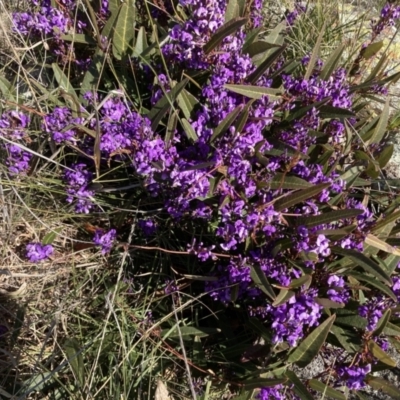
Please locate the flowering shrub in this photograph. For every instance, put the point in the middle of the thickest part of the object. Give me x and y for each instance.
(259, 165)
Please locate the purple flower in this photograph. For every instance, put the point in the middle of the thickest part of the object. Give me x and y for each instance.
(105, 240)
(37, 252)
(354, 377)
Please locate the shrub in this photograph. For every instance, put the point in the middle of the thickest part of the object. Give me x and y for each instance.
(201, 137)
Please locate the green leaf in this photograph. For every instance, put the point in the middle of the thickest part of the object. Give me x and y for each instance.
(279, 181)
(171, 126)
(254, 92)
(243, 117)
(141, 42)
(391, 329)
(250, 38)
(390, 263)
(385, 156)
(382, 323)
(298, 282)
(221, 33)
(50, 237)
(301, 111)
(258, 383)
(310, 346)
(73, 351)
(283, 296)
(332, 62)
(326, 303)
(63, 81)
(186, 102)
(94, 73)
(79, 38)
(326, 390)
(260, 47)
(261, 281)
(299, 388)
(124, 30)
(315, 53)
(326, 218)
(373, 282)
(264, 65)
(378, 353)
(161, 107)
(335, 112)
(189, 130)
(190, 331)
(350, 319)
(381, 128)
(371, 50)
(348, 339)
(232, 10)
(386, 221)
(299, 196)
(364, 262)
(383, 385)
(226, 123)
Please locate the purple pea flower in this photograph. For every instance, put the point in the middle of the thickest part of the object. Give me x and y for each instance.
(37, 252)
(105, 240)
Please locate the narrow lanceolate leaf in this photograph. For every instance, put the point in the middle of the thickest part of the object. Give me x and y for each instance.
(335, 112)
(366, 263)
(391, 263)
(381, 128)
(315, 53)
(373, 282)
(381, 245)
(259, 71)
(326, 218)
(186, 102)
(371, 50)
(190, 331)
(283, 296)
(298, 386)
(332, 62)
(259, 278)
(79, 38)
(141, 42)
(310, 346)
(124, 32)
(226, 123)
(279, 181)
(232, 10)
(326, 303)
(260, 47)
(327, 391)
(254, 92)
(382, 323)
(380, 354)
(386, 221)
(385, 386)
(385, 155)
(161, 107)
(243, 117)
(189, 130)
(73, 352)
(63, 81)
(221, 33)
(300, 196)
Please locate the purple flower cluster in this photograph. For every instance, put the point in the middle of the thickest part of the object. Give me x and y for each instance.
(354, 376)
(105, 240)
(38, 252)
(13, 125)
(389, 14)
(78, 179)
